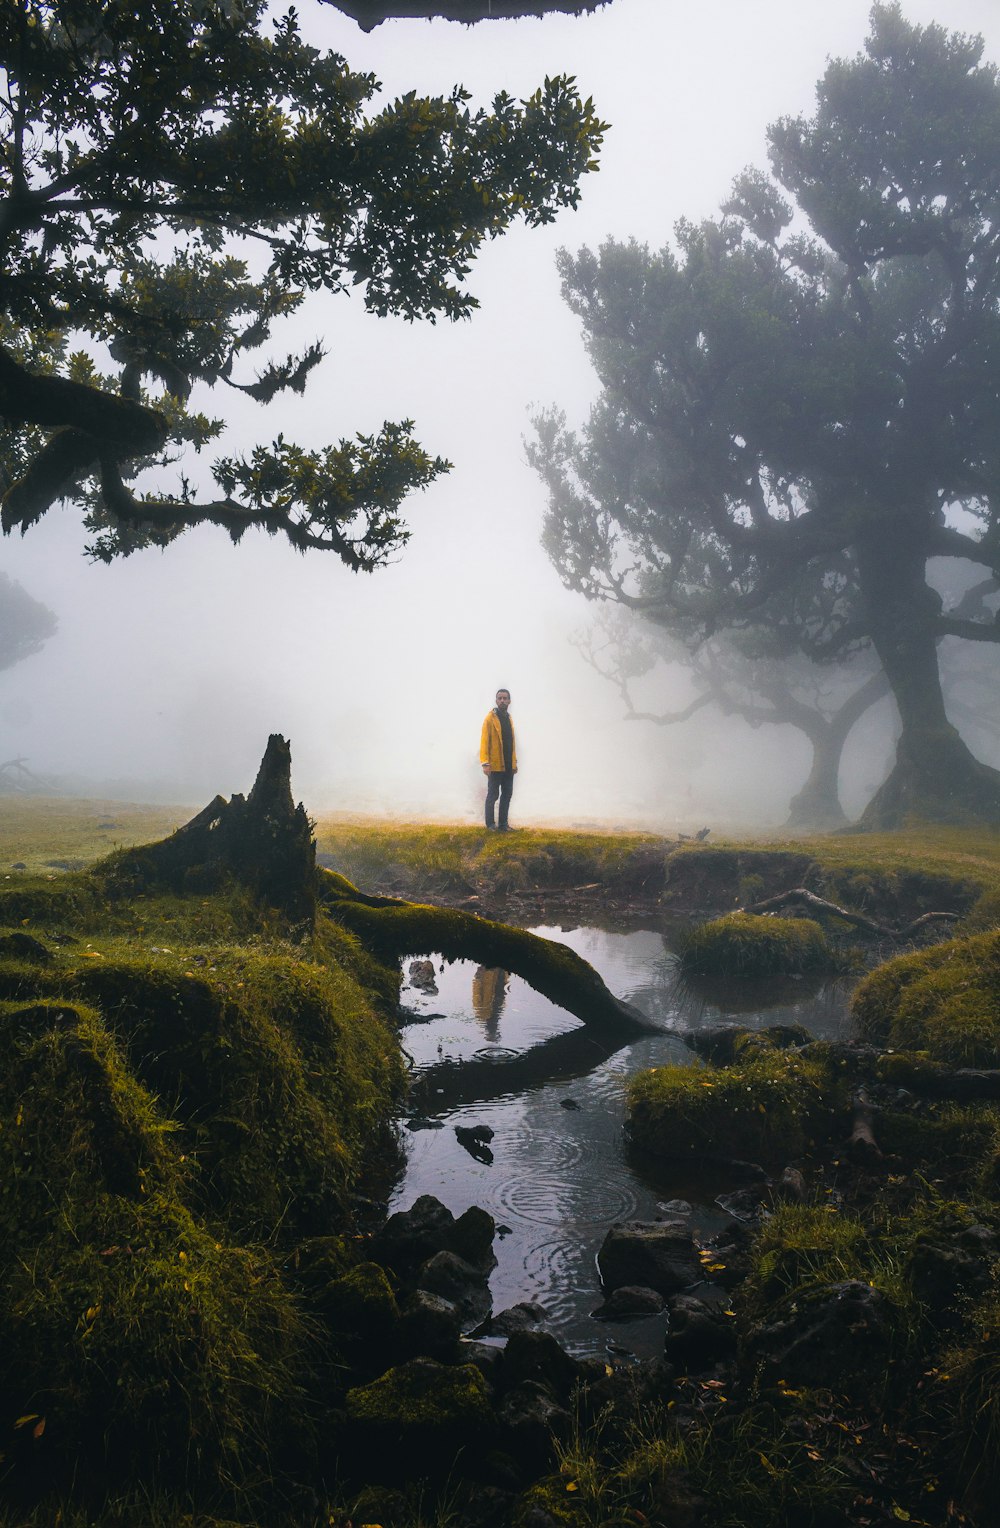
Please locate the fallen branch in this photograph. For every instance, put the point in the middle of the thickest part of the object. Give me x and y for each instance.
(862, 1144)
(857, 920)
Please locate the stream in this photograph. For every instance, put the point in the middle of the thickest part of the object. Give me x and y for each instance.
(488, 1050)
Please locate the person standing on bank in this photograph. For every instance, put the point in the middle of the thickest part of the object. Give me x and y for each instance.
(499, 760)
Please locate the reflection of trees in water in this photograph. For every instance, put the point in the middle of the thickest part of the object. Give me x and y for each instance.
(489, 991)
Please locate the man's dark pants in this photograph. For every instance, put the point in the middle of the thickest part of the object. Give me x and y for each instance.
(499, 783)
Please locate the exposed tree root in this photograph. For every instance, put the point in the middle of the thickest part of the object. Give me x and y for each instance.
(858, 920)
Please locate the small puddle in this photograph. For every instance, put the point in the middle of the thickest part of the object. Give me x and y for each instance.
(488, 1050)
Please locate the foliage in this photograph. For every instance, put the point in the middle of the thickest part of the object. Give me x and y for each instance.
(793, 393)
(744, 945)
(177, 178)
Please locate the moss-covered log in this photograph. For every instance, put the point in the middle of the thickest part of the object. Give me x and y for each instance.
(392, 929)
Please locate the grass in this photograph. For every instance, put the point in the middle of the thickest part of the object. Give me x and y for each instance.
(767, 1107)
(743, 945)
(945, 1001)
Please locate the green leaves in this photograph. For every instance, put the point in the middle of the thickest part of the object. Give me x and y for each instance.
(160, 153)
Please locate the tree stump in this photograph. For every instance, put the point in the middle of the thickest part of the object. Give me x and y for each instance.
(263, 841)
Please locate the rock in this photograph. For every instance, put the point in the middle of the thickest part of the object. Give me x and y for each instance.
(467, 1287)
(568, 1103)
(538, 1357)
(472, 1237)
(421, 1122)
(417, 1416)
(835, 1337)
(410, 1237)
(657, 1254)
(523, 1317)
(791, 1186)
(474, 1139)
(429, 1325)
(700, 1333)
(628, 1301)
(533, 1419)
(421, 974)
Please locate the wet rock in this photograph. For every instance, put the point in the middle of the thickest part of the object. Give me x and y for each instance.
(568, 1103)
(487, 1355)
(475, 1139)
(745, 1204)
(526, 1316)
(410, 1237)
(429, 1326)
(472, 1237)
(628, 1301)
(467, 1287)
(835, 1337)
(422, 1122)
(658, 1254)
(538, 1357)
(422, 974)
(700, 1333)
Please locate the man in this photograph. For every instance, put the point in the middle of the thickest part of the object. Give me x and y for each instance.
(499, 760)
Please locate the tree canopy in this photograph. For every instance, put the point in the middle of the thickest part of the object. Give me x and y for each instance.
(175, 178)
(371, 13)
(809, 381)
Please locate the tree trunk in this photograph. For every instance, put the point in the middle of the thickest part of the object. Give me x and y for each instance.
(817, 804)
(935, 778)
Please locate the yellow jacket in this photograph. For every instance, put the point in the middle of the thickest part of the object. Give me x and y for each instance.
(491, 743)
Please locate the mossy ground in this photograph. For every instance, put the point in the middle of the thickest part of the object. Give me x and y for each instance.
(185, 1101)
(184, 1097)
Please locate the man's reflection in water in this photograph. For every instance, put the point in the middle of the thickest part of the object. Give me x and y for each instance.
(489, 988)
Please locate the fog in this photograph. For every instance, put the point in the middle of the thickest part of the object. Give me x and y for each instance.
(169, 669)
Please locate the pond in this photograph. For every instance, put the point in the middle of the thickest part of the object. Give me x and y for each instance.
(488, 1050)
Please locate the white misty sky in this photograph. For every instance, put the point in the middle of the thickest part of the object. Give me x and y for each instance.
(170, 669)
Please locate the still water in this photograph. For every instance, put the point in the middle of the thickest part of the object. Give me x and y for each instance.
(488, 1050)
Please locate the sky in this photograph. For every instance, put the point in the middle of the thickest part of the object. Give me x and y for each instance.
(170, 669)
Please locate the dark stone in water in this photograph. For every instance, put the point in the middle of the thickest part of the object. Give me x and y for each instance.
(474, 1139)
(538, 1357)
(657, 1254)
(450, 1276)
(568, 1103)
(421, 1122)
(523, 1317)
(629, 1301)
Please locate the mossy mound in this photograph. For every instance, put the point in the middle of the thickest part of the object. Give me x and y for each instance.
(278, 1069)
(945, 1001)
(767, 1108)
(743, 945)
(417, 1418)
(143, 1346)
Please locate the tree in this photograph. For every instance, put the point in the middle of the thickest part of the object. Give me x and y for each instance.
(803, 381)
(757, 684)
(371, 13)
(25, 623)
(176, 177)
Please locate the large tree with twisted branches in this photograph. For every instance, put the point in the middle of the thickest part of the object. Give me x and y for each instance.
(176, 176)
(807, 391)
